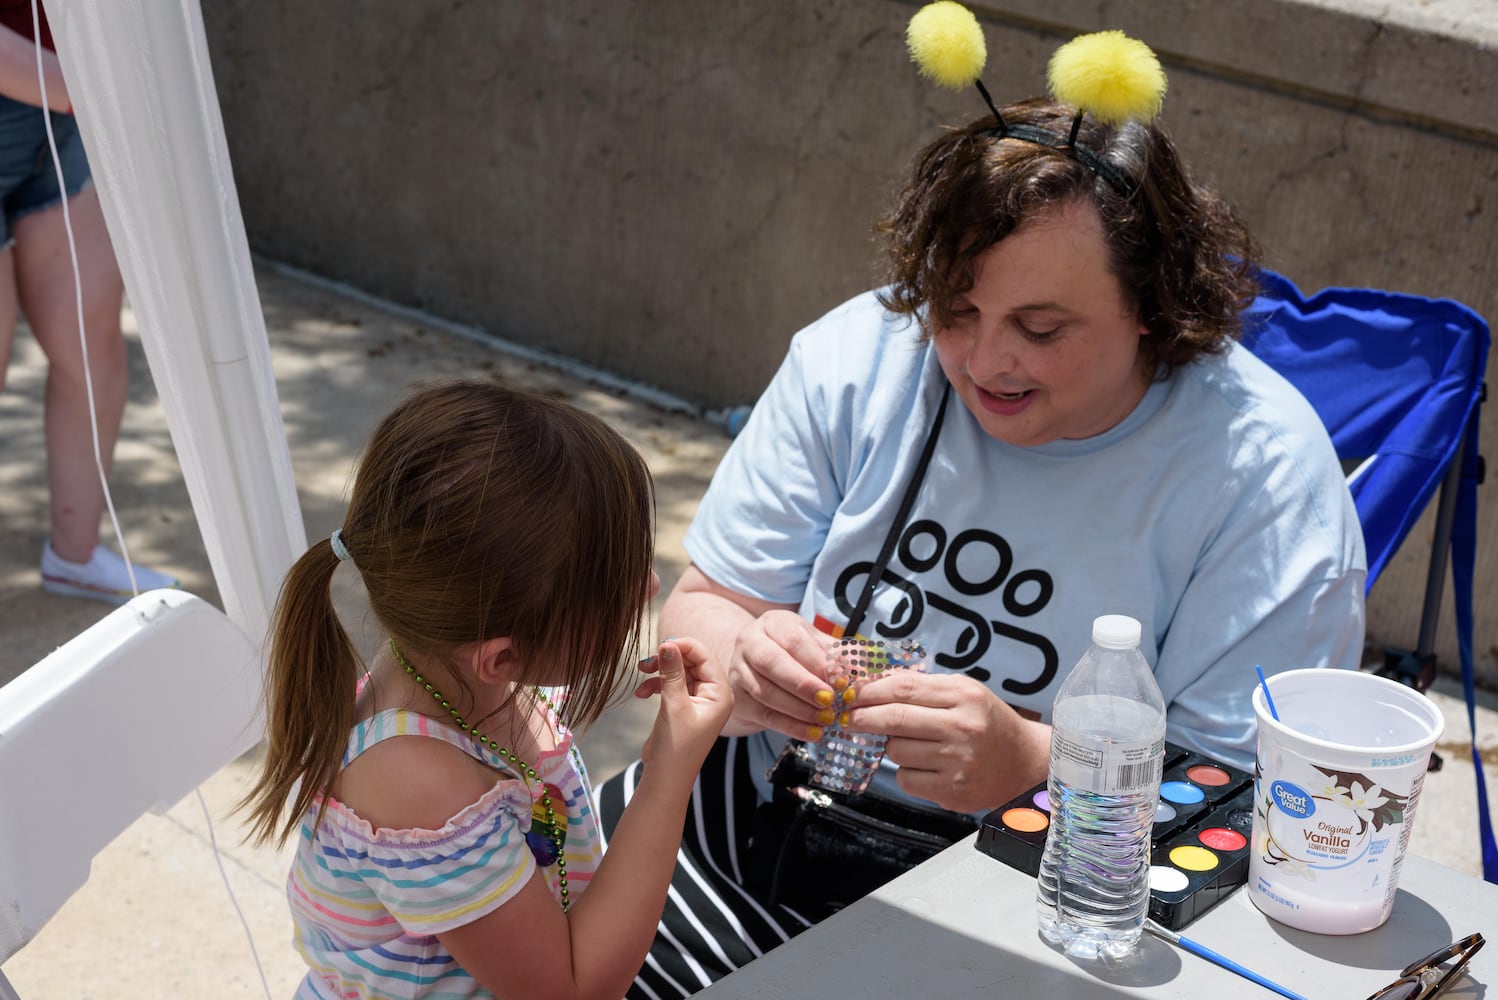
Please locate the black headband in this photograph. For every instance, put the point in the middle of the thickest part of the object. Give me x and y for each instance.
(1116, 178)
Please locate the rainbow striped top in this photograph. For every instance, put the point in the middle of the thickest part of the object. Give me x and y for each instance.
(367, 904)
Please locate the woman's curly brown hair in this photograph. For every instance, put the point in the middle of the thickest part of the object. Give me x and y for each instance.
(1180, 253)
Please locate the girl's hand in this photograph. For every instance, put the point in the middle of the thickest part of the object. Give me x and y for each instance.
(956, 742)
(696, 701)
(778, 674)
(596, 947)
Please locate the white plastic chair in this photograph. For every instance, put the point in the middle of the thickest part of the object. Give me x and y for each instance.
(129, 716)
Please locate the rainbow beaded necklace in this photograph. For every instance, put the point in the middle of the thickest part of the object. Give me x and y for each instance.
(556, 833)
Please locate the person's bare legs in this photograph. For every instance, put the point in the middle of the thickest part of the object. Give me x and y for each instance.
(10, 309)
(44, 278)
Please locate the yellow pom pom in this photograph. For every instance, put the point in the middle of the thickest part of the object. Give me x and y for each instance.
(1109, 75)
(946, 43)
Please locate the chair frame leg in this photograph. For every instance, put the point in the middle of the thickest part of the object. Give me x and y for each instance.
(1440, 550)
(1418, 668)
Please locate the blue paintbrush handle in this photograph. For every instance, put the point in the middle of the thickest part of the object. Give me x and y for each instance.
(1227, 963)
(1268, 698)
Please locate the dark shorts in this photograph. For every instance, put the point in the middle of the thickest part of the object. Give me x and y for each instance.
(28, 179)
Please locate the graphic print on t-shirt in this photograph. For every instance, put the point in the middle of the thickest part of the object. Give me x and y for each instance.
(966, 579)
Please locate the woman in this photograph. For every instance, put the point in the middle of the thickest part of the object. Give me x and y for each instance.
(85, 401)
(1102, 445)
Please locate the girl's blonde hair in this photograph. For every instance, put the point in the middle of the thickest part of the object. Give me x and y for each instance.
(478, 511)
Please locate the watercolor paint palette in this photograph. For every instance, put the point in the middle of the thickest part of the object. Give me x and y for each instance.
(1199, 845)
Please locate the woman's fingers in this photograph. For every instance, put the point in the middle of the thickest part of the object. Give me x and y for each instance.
(777, 674)
(956, 742)
(909, 703)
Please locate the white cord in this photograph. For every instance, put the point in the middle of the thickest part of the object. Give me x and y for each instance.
(219, 860)
(88, 382)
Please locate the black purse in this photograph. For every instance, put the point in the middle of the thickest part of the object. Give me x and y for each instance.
(816, 850)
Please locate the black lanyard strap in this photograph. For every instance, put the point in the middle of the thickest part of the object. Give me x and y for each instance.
(855, 621)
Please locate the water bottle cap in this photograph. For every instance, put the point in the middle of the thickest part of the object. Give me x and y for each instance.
(1115, 631)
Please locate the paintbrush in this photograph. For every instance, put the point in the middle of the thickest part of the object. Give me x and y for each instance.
(1200, 949)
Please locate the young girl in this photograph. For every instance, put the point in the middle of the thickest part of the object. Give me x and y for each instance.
(447, 846)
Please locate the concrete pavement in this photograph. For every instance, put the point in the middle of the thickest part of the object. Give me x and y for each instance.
(157, 918)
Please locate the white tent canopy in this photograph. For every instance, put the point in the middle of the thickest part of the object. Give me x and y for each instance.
(150, 702)
(139, 78)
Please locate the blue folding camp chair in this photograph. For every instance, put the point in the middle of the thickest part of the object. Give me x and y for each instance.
(1398, 380)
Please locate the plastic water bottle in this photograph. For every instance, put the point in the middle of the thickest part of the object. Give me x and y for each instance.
(1107, 747)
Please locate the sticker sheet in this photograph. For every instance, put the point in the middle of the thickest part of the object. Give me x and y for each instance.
(845, 761)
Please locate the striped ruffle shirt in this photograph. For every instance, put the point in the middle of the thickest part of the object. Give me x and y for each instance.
(366, 904)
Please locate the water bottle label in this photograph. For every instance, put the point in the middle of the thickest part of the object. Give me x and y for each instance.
(1109, 769)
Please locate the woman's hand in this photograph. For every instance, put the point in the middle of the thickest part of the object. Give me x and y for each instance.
(696, 701)
(777, 669)
(776, 659)
(956, 742)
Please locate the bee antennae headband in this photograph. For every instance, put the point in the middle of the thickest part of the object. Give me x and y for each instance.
(1106, 74)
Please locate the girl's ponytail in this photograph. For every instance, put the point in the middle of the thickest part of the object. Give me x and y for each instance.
(310, 683)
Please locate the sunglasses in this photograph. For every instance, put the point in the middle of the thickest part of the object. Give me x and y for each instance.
(1426, 979)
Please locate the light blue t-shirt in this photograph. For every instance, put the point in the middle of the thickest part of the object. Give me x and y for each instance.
(1216, 514)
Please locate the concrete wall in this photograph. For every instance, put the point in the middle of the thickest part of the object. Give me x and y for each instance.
(668, 189)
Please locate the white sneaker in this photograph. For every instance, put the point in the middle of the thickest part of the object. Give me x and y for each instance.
(102, 578)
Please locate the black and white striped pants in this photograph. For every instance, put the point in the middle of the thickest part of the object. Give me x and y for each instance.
(712, 923)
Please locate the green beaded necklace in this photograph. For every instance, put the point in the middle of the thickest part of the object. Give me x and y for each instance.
(557, 830)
